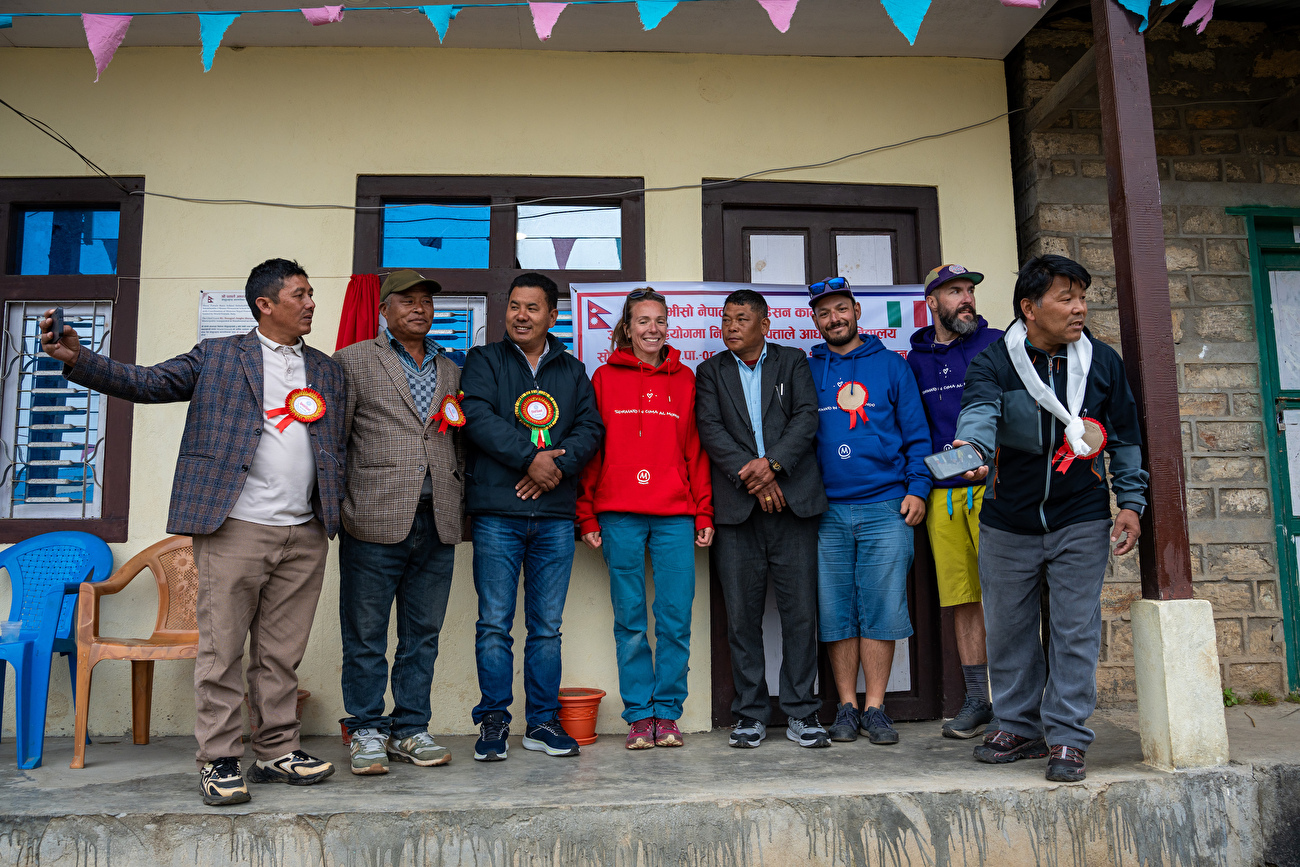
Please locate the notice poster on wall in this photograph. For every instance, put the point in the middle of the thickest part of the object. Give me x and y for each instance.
(222, 314)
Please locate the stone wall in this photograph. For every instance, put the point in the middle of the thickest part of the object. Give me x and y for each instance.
(1212, 155)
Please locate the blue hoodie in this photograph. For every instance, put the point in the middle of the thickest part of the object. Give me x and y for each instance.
(882, 458)
(940, 370)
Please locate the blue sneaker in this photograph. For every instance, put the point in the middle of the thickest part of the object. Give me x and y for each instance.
(491, 743)
(845, 727)
(877, 726)
(550, 738)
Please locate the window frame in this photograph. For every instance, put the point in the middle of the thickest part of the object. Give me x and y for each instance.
(121, 289)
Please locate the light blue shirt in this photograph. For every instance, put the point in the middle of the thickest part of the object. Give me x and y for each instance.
(751, 381)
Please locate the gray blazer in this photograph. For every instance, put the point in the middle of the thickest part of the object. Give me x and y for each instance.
(789, 425)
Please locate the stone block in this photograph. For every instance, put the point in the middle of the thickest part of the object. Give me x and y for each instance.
(1266, 593)
(1036, 90)
(1213, 376)
(1241, 560)
(1218, 144)
(1117, 597)
(1186, 428)
(1246, 405)
(1075, 219)
(1228, 635)
(1225, 597)
(1172, 144)
(1202, 61)
(1036, 71)
(1065, 168)
(1225, 324)
(1241, 170)
(1097, 256)
(1200, 220)
(1179, 293)
(1177, 318)
(1042, 37)
(1291, 144)
(1088, 119)
(1244, 503)
(1197, 170)
(1230, 34)
(1228, 469)
(1215, 118)
(1126, 568)
(1193, 404)
(1200, 503)
(1260, 143)
(1092, 168)
(1115, 683)
(1264, 636)
(1226, 255)
(1053, 244)
(1102, 292)
(1051, 144)
(1166, 118)
(1181, 254)
(1281, 173)
(1230, 436)
(1214, 288)
(1120, 646)
(1246, 677)
(1278, 64)
(1104, 325)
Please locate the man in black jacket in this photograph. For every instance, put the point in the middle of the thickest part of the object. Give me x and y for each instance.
(756, 410)
(1043, 403)
(532, 424)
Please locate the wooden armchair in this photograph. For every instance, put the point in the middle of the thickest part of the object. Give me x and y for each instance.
(175, 634)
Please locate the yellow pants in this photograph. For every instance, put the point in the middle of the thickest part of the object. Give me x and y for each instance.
(952, 521)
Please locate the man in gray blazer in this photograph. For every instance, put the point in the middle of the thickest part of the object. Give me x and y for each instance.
(756, 410)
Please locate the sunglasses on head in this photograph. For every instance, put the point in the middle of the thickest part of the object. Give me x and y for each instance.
(638, 294)
(834, 284)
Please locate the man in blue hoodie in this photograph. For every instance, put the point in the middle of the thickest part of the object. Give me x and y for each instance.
(939, 357)
(872, 440)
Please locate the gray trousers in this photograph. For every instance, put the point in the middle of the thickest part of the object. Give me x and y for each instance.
(1027, 700)
(780, 547)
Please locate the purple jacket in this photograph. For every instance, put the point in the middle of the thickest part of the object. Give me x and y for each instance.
(940, 371)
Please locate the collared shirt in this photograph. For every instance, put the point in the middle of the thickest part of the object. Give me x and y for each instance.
(423, 377)
(282, 475)
(546, 347)
(751, 381)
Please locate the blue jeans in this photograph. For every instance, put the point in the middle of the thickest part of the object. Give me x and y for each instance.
(544, 548)
(863, 554)
(651, 687)
(417, 573)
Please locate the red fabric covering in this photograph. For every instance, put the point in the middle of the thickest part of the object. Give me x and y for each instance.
(360, 320)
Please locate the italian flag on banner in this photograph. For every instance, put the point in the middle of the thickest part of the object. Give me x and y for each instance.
(893, 314)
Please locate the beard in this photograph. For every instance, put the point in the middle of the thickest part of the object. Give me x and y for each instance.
(952, 321)
(846, 337)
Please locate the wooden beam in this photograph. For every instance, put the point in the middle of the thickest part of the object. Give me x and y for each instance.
(1146, 331)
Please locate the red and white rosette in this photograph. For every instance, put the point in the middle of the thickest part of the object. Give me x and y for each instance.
(851, 397)
(1094, 436)
(449, 414)
(302, 404)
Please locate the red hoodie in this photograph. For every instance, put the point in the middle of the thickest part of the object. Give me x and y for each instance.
(651, 462)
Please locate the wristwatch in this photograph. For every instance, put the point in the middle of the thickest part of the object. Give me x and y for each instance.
(776, 467)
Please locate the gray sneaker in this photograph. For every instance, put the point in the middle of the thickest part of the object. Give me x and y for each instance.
(748, 733)
(807, 732)
(369, 752)
(419, 749)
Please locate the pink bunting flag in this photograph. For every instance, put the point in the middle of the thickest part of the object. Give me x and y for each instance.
(1202, 11)
(780, 11)
(544, 16)
(563, 247)
(104, 33)
(1024, 4)
(319, 15)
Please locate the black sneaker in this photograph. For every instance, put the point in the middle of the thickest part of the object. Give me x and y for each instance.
(975, 714)
(1000, 747)
(491, 743)
(295, 768)
(551, 738)
(1065, 765)
(845, 727)
(221, 782)
(807, 732)
(747, 733)
(877, 726)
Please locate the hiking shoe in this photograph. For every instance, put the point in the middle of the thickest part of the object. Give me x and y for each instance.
(877, 726)
(419, 749)
(491, 744)
(551, 738)
(221, 782)
(807, 732)
(975, 714)
(667, 734)
(642, 735)
(369, 753)
(1065, 764)
(747, 733)
(1000, 747)
(845, 728)
(295, 768)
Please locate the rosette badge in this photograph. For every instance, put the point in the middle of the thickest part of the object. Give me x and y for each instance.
(450, 414)
(302, 404)
(538, 411)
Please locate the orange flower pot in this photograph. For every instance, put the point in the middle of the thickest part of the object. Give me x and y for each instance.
(578, 708)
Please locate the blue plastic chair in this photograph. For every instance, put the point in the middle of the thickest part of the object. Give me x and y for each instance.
(45, 574)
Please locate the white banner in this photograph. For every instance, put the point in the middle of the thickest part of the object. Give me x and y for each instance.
(222, 314)
(892, 313)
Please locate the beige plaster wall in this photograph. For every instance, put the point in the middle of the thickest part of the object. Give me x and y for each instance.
(299, 125)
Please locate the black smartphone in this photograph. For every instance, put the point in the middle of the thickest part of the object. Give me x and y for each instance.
(954, 462)
(56, 324)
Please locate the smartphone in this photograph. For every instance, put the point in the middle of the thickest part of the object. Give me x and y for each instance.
(954, 462)
(56, 324)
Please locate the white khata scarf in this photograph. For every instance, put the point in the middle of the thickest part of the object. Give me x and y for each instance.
(1085, 436)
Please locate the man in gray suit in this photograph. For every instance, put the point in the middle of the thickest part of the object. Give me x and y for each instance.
(756, 409)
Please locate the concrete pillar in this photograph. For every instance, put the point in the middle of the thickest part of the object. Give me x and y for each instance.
(1180, 695)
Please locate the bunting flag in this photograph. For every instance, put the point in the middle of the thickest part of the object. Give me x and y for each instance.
(1202, 11)
(6, 21)
(544, 16)
(653, 11)
(563, 247)
(1025, 4)
(319, 15)
(440, 17)
(907, 16)
(212, 26)
(104, 33)
(780, 11)
(1141, 7)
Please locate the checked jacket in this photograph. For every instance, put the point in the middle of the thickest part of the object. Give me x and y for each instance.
(222, 379)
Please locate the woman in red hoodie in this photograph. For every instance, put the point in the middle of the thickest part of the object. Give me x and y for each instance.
(648, 487)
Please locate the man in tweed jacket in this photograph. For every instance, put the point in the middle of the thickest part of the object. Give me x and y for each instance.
(401, 522)
(259, 493)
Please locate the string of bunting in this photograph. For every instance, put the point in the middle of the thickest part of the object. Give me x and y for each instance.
(105, 31)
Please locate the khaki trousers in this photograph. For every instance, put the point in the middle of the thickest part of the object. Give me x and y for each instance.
(259, 583)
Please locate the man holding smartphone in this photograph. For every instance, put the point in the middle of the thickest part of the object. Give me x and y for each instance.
(940, 355)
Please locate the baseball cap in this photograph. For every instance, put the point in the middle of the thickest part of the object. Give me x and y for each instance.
(944, 273)
(829, 286)
(400, 281)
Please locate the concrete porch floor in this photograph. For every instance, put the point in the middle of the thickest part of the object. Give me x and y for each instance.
(922, 802)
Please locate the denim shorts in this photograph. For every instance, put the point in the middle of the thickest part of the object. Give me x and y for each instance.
(864, 552)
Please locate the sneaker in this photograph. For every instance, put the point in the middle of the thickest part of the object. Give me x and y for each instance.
(642, 735)
(845, 728)
(551, 738)
(1065, 764)
(1000, 747)
(419, 749)
(667, 734)
(369, 753)
(747, 733)
(877, 726)
(295, 768)
(807, 732)
(975, 714)
(221, 782)
(491, 744)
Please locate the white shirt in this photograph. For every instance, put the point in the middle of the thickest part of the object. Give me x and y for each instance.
(546, 347)
(277, 491)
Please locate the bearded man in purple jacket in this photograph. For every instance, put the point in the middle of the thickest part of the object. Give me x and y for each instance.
(939, 356)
